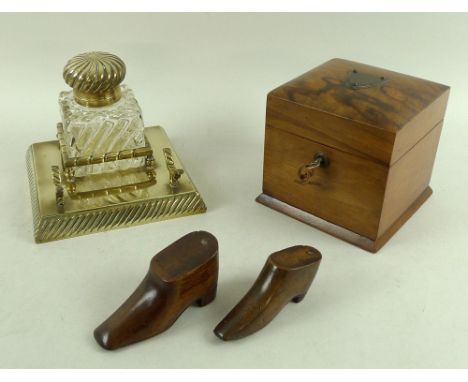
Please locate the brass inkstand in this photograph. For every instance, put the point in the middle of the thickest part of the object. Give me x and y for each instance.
(105, 170)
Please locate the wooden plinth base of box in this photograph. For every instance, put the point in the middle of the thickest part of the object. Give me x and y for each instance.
(155, 202)
(340, 232)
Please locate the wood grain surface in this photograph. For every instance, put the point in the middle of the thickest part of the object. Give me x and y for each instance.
(286, 276)
(380, 140)
(363, 121)
(184, 273)
(349, 192)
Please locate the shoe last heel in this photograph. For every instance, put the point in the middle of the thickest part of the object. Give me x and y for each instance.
(207, 298)
(298, 298)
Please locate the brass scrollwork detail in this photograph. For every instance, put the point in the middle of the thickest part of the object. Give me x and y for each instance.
(57, 178)
(174, 173)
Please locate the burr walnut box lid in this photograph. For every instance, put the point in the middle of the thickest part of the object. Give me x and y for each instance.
(364, 110)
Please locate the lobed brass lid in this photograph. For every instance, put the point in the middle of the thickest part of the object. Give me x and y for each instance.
(95, 78)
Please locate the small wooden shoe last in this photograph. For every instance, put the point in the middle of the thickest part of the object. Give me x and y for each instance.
(180, 275)
(286, 276)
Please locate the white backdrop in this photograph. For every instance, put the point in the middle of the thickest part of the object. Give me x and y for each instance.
(204, 77)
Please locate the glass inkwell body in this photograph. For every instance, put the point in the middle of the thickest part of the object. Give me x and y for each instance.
(99, 115)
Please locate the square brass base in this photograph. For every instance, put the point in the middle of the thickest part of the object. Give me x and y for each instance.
(101, 213)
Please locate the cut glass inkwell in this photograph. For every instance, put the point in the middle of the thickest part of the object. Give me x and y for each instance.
(105, 170)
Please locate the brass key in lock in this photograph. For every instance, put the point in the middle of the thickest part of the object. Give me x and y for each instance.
(306, 171)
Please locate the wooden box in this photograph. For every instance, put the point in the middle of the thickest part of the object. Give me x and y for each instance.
(349, 149)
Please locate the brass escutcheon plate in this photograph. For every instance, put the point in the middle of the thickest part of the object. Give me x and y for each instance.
(358, 80)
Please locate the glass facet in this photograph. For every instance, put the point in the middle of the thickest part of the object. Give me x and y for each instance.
(95, 131)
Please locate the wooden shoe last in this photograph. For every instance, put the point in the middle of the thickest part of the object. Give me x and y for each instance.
(184, 273)
(286, 276)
